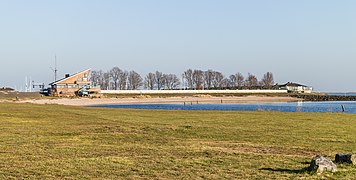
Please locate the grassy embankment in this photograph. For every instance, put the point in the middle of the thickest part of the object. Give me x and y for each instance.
(13, 96)
(51, 141)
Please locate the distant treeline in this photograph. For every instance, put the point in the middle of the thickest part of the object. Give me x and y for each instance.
(119, 79)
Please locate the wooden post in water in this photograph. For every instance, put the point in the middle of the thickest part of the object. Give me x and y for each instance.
(343, 108)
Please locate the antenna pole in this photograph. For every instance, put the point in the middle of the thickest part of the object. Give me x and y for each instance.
(55, 68)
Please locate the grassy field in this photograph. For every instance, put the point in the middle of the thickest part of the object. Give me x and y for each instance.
(52, 141)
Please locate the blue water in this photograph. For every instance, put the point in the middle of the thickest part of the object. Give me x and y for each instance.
(342, 94)
(329, 106)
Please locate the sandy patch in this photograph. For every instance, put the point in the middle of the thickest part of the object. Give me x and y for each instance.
(170, 100)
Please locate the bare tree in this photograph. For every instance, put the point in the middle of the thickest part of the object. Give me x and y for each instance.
(208, 78)
(251, 81)
(106, 80)
(267, 80)
(159, 80)
(95, 77)
(134, 80)
(171, 81)
(226, 83)
(115, 74)
(123, 80)
(188, 76)
(239, 80)
(218, 78)
(198, 79)
(232, 80)
(150, 81)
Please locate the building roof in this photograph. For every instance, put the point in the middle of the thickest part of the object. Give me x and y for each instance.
(292, 84)
(63, 79)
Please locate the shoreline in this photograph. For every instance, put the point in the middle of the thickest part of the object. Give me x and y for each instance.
(169, 100)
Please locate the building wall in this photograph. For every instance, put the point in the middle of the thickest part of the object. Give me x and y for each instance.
(301, 89)
(71, 85)
(66, 91)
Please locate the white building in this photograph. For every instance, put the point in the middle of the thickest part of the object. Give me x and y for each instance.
(295, 87)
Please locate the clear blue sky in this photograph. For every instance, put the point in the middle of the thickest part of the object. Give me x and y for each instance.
(307, 41)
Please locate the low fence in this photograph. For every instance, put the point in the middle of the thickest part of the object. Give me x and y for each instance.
(147, 92)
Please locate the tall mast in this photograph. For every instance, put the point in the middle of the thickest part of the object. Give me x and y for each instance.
(55, 68)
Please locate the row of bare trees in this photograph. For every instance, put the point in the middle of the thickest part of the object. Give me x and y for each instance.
(210, 79)
(158, 80)
(118, 79)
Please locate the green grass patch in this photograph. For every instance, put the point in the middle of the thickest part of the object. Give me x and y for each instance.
(53, 141)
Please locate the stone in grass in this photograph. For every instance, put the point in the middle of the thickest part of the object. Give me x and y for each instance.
(321, 164)
(345, 158)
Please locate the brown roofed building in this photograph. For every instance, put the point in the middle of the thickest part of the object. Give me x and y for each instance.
(71, 85)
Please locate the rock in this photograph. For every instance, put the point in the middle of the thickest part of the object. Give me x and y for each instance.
(345, 158)
(321, 164)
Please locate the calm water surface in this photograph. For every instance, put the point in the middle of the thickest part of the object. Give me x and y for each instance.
(342, 94)
(334, 106)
